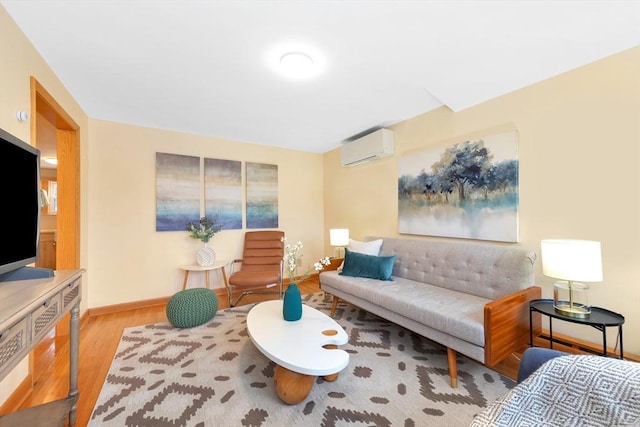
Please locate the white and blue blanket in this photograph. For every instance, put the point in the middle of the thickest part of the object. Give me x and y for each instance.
(573, 390)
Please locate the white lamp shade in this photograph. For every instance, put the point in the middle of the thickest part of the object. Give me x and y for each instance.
(575, 260)
(339, 236)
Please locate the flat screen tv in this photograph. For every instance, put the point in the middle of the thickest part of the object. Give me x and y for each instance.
(20, 192)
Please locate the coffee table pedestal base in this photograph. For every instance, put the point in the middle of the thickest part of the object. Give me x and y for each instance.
(301, 350)
(293, 387)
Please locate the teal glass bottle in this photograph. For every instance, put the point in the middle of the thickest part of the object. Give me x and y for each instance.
(292, 303)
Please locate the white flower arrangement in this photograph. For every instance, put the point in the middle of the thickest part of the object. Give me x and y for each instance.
(293, 259)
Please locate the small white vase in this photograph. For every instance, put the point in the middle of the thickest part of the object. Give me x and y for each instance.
(205, 256)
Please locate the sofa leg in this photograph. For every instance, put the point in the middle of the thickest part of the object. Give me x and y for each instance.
(453, 369)
(334, 305)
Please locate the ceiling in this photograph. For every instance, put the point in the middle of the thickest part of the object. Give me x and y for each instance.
(207, 67)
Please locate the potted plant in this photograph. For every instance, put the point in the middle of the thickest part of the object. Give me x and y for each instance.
(204, 230)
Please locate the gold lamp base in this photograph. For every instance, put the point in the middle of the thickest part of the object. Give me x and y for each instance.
(575, 310)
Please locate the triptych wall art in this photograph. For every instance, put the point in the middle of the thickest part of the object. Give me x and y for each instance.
(223, 192)
(262, 195)
(177, 191)
(180, 184)
(466, 190)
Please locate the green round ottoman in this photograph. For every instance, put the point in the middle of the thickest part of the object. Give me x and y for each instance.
(192, 307)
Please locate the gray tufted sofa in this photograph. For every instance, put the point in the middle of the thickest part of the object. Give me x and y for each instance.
(472, 298)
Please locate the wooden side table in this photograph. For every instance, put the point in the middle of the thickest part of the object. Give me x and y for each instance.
(334, 264)
(217, 265)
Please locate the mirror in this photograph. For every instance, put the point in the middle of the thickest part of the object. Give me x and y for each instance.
(49, 197)
(52, 208)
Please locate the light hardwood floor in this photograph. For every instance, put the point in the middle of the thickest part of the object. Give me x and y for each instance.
(99, 338)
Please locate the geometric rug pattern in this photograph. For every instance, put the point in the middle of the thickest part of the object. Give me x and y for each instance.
(212, 375)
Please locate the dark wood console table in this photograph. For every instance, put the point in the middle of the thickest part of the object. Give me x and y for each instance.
(28, 311)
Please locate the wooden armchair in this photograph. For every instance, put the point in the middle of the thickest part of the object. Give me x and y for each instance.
(261, 266)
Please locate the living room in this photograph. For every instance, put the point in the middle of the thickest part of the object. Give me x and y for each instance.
(578, 151)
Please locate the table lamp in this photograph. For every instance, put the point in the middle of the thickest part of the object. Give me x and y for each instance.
(573, 262)
(339, 237)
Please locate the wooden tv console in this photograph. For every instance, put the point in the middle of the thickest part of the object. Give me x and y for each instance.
(28, 311)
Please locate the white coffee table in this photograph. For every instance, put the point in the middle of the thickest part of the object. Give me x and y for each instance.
(302, 350)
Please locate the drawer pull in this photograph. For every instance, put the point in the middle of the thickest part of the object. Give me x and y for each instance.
(47, 303)
(3, 335)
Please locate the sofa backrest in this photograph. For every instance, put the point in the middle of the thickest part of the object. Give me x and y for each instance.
(485, 270)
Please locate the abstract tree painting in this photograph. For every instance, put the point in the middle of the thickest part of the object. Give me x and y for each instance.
(466, 190)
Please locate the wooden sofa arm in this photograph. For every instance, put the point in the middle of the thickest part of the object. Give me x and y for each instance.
(334, 263)
(506, 324)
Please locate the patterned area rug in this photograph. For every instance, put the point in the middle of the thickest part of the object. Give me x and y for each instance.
(212, 375)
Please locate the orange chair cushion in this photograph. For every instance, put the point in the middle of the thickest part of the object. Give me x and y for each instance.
(246, 278)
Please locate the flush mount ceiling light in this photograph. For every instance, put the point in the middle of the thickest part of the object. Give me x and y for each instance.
(297, 65)
(50, 160)
(296, 60)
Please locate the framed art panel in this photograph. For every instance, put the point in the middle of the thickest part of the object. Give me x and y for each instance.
(466, 190)
(262, 195)
(177, 191)
(223, 192)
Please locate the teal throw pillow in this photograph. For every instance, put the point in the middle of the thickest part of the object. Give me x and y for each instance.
(362, 265)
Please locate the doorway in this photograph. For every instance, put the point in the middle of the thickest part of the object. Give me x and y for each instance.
(56, 135)
(61, 134)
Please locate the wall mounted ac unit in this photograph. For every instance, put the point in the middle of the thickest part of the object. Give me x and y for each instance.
(369, 147)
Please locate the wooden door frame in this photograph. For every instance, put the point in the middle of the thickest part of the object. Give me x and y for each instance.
(68, 148)
(44, 106)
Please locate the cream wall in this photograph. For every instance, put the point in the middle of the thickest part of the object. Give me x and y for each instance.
(576, 129)
(128, 259)
(18, 62)
(579, 135)
(125, 258)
